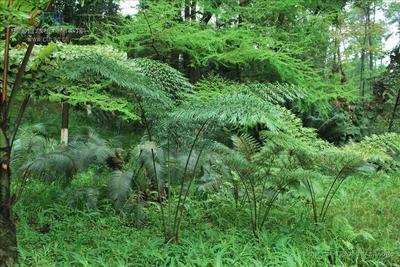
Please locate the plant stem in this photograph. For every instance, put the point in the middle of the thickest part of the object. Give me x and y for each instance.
(184, 174)
(313, 201)
(186, 194)
(159, 195)
(331, 187)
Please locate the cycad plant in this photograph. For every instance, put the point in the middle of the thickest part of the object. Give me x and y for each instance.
(161, 174)
(322, 168)
(177, 133)
(258, 183)
(36, 155)
(203, 114)
(145, 99)
(170, 154)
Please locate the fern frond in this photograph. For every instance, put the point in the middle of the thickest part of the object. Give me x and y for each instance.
(245, 144)
(172, 81)
(104, 101)
(277, 93)
(235, 109)
(122, 74)
(151, 156)
(383, 149)
(51, 166)
(120, 187)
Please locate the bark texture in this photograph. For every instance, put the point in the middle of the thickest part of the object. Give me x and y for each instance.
(8, 240)
(64, 123)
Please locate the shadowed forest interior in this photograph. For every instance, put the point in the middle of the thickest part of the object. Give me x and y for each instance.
(200, 133)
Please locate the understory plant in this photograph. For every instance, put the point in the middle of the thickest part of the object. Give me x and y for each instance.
(269, 156)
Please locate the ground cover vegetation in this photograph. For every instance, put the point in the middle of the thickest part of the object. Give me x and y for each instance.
(200, 133)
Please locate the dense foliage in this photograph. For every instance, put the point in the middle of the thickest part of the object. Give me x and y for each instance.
(200, 133)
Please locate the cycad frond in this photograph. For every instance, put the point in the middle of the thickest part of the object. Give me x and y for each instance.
(122, 74)
(51, 166)
(120, 187)
(151, 156)
(383, 149)
(245, 144)
(235, 109)
(172, 81)
(277, 93)
(50, 160)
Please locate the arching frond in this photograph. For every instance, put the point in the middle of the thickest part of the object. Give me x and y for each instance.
(172, 81)
(245, 144)
(123, 75)
(120, 187)
(383, 149)
(38, 156)
(152, 157)
(236, 109)
(277, 93)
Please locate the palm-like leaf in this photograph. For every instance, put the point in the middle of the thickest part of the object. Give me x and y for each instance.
(152, 158)
(120, 187)
(38, 156)
(172, 81)
(246, 144)
(122, 74)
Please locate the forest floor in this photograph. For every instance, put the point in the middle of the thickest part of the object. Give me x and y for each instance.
(362, 229)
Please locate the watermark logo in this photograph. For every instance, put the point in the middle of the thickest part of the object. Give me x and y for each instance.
(43, 28)
(46, 18)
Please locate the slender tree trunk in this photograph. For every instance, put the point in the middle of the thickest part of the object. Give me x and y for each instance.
(8, 239)
(186, 56)
(207, 15)
(175, 55)
(396, 104)
(64, 123)
(370, 47)
(343, 79)
(195, 71)
(190, 15)
(363, 55)
(174, 59)
(335, 68)
(89, 110)
(362, 68)
(193, 10)
(238, 71)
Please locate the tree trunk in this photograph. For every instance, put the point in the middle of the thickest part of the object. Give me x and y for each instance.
(363, 55)
(174, 59)
(362, 68)
(370, 48)
(207, 15)
(89, 110)
(8, 240)
(8, 236)
(186, 56)
(193, 10)
(190, 15)
(343, 78)
(64, 123)
(396, 104)
(335, 67)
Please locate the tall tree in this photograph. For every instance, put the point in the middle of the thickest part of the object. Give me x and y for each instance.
(8, 241)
